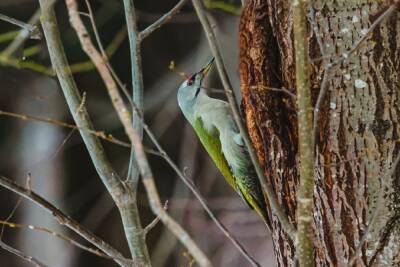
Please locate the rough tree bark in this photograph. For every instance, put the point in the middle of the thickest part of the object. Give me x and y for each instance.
(358, 123)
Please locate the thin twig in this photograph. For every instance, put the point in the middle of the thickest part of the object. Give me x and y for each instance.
(110, 51)
(279, 90)
(138, 100)
(21, 37)
(64, 220)
(79, 67)
(96, 252)
(99, 134)
(10, 216)
(324, 83)
(65, 140)
(213, 90)
(321, 97)
(19, 201)
(265, 184)
(305, 192)
(153, 224)
(95, 31)
(164, 19)
(377, 210)
(18, 253)
(137, 81)
(32, 29)
(104, 53)
(182, 18)
(100, 64)
(82, 104)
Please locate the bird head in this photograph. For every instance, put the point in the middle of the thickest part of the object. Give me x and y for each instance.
(191, 88)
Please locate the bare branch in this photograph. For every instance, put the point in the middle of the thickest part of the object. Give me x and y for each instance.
(21, 36)
(8, 60)
(65, 220)
(137, 80)
(32, 29)
(165, 18)
(133, 228)
(153, 224)
(19, 201)
(135, 137)
(95, 31)
(265, 184)
(58, 235)
(121, 193)
(99, 134)
(100, 63)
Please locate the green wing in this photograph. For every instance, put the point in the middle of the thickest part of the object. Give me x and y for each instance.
(211, 143)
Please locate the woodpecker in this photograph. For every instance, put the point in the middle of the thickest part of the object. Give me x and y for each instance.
(214, 125)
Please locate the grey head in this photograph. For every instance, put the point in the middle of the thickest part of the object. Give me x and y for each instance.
(190, 90)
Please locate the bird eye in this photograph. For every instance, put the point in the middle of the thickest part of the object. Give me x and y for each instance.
(191, 80)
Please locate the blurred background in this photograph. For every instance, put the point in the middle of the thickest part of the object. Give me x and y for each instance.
(58, 164)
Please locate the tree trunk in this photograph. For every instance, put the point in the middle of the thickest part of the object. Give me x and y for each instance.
(358, 123)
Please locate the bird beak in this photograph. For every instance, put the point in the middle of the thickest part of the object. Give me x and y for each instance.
(207, 68)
